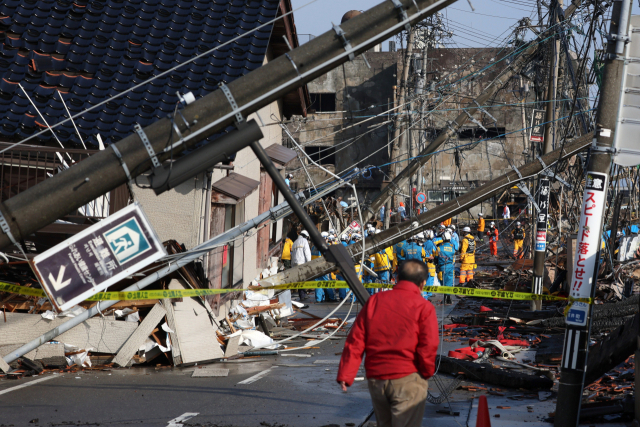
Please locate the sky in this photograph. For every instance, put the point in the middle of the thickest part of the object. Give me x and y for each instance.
(489, 24)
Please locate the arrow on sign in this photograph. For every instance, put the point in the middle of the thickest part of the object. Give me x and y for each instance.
(58, 283)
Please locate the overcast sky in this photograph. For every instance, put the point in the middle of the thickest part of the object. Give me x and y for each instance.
(492, 18)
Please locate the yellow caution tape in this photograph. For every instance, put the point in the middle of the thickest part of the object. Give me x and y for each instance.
(322, 284)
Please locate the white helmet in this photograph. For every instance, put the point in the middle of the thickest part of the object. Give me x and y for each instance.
(324, 234)
(344, 238)
(446, 236)
(378, 231)
(492, 224)
(304, 233)
(466, 229)
(480, 214)
(428, 234)
(618, 233)
(420, 236)
(518, 224)
(332, 231)
(357, 236)
(442, 227)
(453, 227)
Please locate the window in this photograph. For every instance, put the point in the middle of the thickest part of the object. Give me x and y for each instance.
(322, 102)
(233, 254)
(322, 155)
(434, 196)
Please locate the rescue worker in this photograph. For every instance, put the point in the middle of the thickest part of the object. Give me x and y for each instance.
(493, 239)
(342, 292)
(431, 251)
(455, 239)
(382, 214)
(322, 294)
(481, 226)
(397, 250)
(382, 263)
(402, 211)
(446, 255)
(286, 253)
(413, 250)
(301, 254)
(467, 256)
(506, 214)
(518, 240)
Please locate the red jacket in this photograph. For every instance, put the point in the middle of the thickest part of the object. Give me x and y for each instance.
(398, 330)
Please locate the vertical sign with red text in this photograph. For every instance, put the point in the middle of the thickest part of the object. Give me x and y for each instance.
(587, 246)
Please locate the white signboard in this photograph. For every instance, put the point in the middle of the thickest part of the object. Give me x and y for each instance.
(627, 133)
(98, 257)
(587, 246)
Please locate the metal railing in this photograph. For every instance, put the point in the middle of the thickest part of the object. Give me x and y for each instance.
(27, 165)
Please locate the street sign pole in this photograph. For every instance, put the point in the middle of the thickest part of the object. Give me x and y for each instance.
(540, 249)
(585, 265)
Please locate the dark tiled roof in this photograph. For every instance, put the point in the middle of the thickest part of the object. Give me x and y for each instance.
(90, 51)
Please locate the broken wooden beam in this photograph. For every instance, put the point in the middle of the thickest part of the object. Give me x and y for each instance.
(140, 335)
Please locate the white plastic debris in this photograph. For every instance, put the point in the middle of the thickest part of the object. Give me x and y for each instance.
(49, 315)
(166, 328)
(256, 339)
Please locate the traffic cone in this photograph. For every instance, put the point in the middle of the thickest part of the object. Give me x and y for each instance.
(483, 419)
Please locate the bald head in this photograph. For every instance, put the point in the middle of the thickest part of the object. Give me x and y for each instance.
(413, 271)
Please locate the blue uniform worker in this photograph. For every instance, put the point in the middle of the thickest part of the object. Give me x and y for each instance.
(431, 250)
(412, 250)
(322, 294)
(446, 254)
(382, 214)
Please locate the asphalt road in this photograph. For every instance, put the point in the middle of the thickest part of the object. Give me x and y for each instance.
(303, 394)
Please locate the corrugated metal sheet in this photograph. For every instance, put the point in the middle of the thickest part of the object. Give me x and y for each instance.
(279, 154)
(236, 186)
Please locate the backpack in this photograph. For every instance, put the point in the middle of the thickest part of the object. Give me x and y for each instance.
(518, 234)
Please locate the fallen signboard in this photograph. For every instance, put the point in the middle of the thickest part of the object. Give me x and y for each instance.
(98, 257)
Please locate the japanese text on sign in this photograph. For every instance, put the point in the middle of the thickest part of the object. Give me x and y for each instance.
(587, 245)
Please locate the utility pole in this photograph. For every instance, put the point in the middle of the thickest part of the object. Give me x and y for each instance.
(540, 242)
(552, 88)
(583, 283)
(400, 132)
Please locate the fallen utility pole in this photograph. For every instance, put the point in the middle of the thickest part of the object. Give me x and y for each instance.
(585, 266)
(66, 191)
(471, 108)
(386, 238)
(274, 214)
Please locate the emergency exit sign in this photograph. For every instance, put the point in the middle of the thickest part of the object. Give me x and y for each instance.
(98, 257)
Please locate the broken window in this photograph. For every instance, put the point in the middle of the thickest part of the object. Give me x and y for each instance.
(322, 155)
(322, 102)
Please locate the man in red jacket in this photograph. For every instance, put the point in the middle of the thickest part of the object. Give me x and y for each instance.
(398, 330)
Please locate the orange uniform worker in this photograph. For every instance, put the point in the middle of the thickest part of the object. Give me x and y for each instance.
(518, 240)
(493, 238)
(480, 225)
(467, 256)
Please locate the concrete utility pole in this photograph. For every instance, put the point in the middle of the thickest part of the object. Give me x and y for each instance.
(540, 242)
(65, 192)
(399, 133)
(585, 267)
(552, 88)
